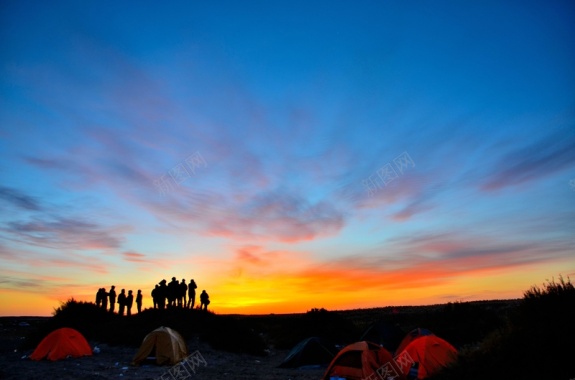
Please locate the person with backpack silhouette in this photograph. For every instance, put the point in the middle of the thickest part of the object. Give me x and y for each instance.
(204, 300)
(99, 297)
(104, 299)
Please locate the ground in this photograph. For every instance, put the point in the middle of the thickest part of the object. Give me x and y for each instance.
(463, 324)
(113, 362)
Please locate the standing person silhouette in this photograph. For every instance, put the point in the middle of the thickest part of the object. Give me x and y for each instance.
(122, 301)
(204, 300)
(139, 301)
(182, 290)
(104, 299)
(192, 293)
(129, 302)
(112, 297)
(162, 294)
(155, 295)
(173, 287)
(99, 297)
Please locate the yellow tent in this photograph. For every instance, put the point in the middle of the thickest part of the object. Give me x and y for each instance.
(168, 344)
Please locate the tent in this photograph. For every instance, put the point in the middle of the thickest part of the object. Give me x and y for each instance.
(61, 344)
(410, 337)
(431, 353)
(363, 360)
(312, 351)
(385, 334)
(167, 344)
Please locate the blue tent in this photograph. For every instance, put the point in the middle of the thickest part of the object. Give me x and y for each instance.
(312, 351)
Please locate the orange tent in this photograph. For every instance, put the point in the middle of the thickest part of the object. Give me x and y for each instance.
(361, 361)
(168, 346)
(60, 344)
(431, 353)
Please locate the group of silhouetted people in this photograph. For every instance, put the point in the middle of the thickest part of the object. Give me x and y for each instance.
(125, 301)
(173, 294)
(165, 295)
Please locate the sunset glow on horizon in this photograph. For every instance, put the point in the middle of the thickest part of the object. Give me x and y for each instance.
(286, 156)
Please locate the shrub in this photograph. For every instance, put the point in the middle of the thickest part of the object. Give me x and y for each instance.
(102, 326)
(530, 345)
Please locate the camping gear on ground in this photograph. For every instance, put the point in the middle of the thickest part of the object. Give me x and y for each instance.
(361, 360)
(61, 344)
(431, 354)
(410, 337)
(385, 334)
(311, 351)
(167, 345)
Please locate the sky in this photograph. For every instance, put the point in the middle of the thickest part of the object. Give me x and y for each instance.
(286, 155)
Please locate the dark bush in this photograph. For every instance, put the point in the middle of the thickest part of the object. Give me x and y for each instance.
(235, 335)
(285, 331)
(530, 345)
(100, 326)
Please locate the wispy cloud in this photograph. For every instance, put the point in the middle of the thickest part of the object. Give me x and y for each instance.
(271, 216)
(136, 257)
(42, 224)
(538, 160)
(18, 199)
(93, 120)
(64, 233)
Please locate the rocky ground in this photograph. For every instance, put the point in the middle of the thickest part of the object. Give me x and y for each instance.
(113, 362)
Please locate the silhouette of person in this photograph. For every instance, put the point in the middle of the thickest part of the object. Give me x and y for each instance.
(162, 294)
(99, 297)
(204, 300)
(155, 295)
(122, 301)
(182, 290)
(173, 287)
(112, 297)
(129, 302)
(139, 301)
(104, 299)
(192, 293)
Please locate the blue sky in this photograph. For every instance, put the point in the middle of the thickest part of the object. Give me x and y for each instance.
(286, 155)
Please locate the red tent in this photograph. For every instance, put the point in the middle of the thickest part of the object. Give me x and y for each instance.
(60, 344)
(361, 361)
(431, 353)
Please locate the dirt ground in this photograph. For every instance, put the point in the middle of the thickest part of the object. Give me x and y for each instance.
(113, 362)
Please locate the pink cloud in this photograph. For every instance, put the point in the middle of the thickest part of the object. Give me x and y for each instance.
(136, 257)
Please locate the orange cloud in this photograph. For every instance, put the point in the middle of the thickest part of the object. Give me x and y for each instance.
(260, 281)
